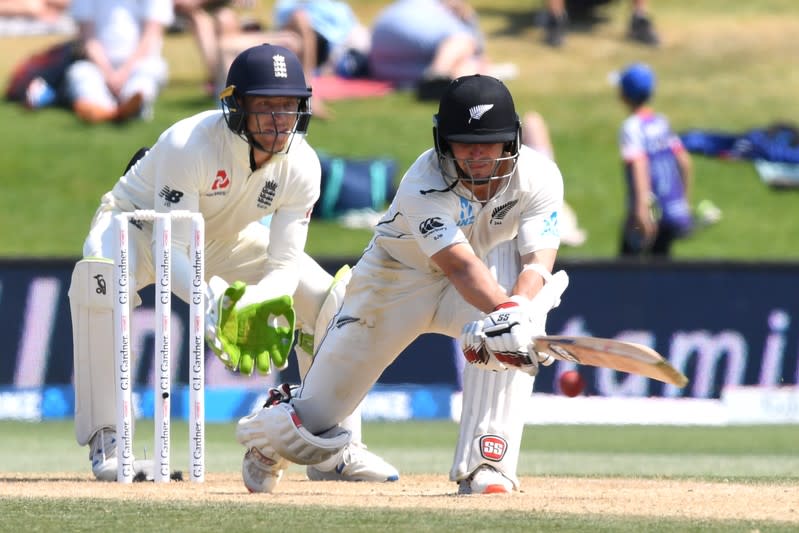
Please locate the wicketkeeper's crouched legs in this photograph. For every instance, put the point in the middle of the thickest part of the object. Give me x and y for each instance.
(491, 427)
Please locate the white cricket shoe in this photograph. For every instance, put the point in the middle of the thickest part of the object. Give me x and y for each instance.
(261, 473)
(353, 463)
(103, 455)
(485, 480)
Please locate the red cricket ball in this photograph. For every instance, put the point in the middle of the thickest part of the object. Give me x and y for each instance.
(571, 383)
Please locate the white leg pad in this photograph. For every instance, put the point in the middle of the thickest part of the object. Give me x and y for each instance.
(279, 429)
(492, 421)
(91, 305)
(494, 403)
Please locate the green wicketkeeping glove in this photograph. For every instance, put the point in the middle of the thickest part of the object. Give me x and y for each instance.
(251, 336)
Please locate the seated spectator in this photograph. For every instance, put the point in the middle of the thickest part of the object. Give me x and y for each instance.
(426, 43)
(216, 25)
(34, 9)
(123, 70)
(34, 17)
(327, 29)
(556, 23)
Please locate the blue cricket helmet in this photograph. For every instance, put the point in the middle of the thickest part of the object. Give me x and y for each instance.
(264, 70)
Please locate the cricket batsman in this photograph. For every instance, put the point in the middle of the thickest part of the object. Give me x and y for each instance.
(466, 250)
(234, 166)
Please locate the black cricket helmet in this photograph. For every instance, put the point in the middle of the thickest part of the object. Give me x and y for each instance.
(265, 70)
(476, 109)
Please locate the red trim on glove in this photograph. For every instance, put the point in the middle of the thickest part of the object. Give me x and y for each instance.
(505, 305)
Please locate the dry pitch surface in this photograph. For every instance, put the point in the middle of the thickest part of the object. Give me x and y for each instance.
(623, 497)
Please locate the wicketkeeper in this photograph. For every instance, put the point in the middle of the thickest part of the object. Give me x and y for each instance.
(466, 249)
(233, 166)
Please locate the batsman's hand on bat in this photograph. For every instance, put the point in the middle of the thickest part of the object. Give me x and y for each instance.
(485, 341)
(247, 335)
(508, 330)
(502, 339)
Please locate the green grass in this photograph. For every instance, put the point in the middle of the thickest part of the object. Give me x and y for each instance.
(723, 65)
(745, 454)
(749, 453)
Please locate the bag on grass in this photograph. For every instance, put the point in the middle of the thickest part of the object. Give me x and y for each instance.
(354, 184)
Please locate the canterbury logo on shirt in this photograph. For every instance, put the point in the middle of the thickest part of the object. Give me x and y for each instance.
(430, 225)
(477, 112)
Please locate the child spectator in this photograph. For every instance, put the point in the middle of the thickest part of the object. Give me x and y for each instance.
(657, 171)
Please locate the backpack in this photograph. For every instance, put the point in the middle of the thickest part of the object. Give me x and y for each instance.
(354, 184)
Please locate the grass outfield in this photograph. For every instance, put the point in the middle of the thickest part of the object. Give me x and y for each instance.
(575, 478)
(723, 65)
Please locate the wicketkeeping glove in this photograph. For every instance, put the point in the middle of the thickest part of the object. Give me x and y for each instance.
(257, 335)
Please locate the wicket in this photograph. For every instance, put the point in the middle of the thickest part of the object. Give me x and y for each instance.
(162, 236)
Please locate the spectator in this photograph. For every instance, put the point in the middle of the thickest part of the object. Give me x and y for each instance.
(210, 21)
(123, 70)
(640, 28)
(657, 171)
(326, 29)
(427, 43)
(34, 17)
(47, 10)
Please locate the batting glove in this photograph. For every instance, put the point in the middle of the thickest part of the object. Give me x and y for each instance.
(508, 328)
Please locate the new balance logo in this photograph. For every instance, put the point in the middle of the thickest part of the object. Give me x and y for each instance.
(172, 196)
(279, 64)
(477, 112)
(501, 212)
(430, 225)
(100, 284)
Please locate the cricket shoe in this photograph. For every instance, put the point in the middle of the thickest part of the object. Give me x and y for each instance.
(353, 463)
(103, 455)
(261, 473)
(485, 480)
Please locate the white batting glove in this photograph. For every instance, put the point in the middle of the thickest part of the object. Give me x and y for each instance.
(507, 331)
(547, 299)
(473, 345)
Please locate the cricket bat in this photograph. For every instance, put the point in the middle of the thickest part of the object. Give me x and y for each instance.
(609, 353)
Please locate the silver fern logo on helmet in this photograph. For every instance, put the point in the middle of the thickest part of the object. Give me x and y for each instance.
(477, 112)
(279, 64)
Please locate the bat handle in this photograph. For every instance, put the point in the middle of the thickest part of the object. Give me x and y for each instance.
(544, 359)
